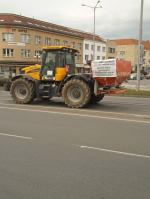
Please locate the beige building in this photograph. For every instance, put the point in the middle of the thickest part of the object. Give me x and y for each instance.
(110, 49)
(21, 38)
(127, 49)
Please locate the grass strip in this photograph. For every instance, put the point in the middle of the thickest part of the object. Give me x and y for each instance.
(134, 92)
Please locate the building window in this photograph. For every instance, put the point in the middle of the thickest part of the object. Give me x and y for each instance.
(120, 52)
(79, 57)
(8, 68)
(86, 46)
(103, 57)
(8, 37)
(149, 61)
(91, 57)
(79, 46)
(8, 52)
(98, 48)
(37, 53)
(47, 41)
(98, 57)
(25, 38)
(37, 40)
(65, 43)
(92, 47)
(25, 53)
(56, 42)
(111, 50)
(72, 44)
(149, 54)
(111, 58)
(103, 49)
(86, 57)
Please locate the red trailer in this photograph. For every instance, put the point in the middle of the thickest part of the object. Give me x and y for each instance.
(112, 85)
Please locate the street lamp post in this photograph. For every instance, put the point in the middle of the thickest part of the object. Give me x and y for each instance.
(140, 48)
(94, 9)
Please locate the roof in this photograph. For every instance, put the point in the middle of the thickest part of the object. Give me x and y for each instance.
(132, 42)
(18, 20)
(58, 47)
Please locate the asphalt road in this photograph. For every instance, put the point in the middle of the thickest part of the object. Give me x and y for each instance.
(50, 151)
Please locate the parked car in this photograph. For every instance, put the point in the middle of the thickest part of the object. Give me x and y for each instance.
(148, 76)
(134, 76)
(1, 74)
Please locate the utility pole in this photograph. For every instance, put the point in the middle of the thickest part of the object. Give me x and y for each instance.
(140, 48)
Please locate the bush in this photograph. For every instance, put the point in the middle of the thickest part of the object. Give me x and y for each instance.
(3, 81)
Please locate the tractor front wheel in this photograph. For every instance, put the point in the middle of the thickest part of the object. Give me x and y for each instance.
(23, 91)
(76, 93)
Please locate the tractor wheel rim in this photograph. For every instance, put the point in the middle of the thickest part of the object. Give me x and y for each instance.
(21, 91)
(74, 94)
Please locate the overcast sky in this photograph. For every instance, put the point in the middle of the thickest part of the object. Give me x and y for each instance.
(117, 19)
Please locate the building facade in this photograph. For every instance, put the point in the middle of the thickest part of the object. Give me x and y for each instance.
(127, 49)
(21, 38)
(110, 49)
(99, 48)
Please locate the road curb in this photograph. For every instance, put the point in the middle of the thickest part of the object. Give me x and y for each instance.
(125, 95)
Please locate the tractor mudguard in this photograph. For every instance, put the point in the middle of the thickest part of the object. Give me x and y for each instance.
(29, 78)
(22, 75)
(77, 76)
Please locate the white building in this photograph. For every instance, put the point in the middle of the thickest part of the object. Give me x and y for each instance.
(100, 51)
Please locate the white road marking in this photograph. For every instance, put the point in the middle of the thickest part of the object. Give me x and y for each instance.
(74, 114)
(16, 136)
(117, 152)
(45, 107)
(6, 99)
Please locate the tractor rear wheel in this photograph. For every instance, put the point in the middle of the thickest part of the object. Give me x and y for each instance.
(23, 91)
(76, 93)
(96, 99)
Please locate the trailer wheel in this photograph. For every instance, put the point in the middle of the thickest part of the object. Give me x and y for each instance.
(23, 91)
(76, 93)
(96, 99)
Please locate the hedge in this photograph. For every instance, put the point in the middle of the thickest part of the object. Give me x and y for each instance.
(3, 81)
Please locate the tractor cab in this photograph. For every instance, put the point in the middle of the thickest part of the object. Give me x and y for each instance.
(57, 62)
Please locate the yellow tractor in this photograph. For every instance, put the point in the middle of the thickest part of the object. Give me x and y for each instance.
(55, 77)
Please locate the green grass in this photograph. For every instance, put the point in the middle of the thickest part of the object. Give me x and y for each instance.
(134, 92)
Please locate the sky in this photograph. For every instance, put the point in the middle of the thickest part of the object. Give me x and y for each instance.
(117, 19)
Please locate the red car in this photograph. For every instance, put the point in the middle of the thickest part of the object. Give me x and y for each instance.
(148, 76)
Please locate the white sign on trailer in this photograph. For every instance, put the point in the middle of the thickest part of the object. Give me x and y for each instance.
(104, 68)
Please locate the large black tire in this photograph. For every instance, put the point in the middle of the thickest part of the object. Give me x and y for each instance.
(76, 93)
(22, 91)
(6, 87)
(96, 99)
